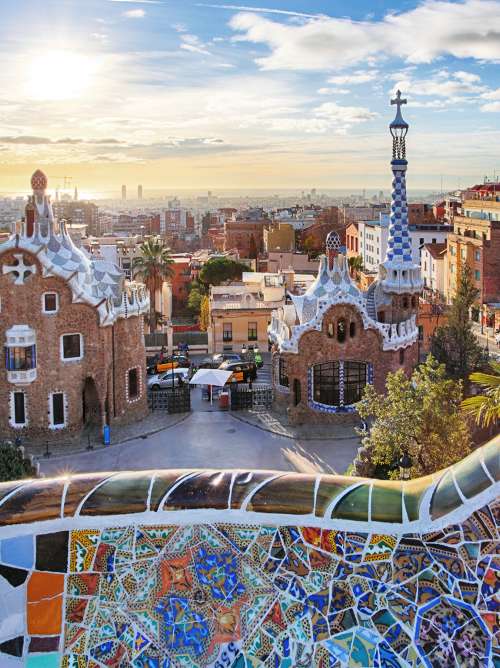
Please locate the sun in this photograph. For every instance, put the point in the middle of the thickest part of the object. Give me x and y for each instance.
(59, 75)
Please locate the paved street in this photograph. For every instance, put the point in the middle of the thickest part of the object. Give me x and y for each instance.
(211, 440)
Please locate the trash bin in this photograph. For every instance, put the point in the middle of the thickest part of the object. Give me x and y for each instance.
(224, 401)
(106, 434)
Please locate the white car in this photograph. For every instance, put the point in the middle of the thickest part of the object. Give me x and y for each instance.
(163, 381)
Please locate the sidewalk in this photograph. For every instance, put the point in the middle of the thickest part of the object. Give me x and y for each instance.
(152, 424)
(277, 423)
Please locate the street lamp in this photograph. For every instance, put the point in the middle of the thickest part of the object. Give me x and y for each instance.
(405, 464)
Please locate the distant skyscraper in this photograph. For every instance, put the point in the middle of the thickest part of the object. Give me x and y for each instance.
(139, 192)
(124, 192)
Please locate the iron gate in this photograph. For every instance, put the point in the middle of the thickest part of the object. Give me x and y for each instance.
(172, 400)
(255, 397)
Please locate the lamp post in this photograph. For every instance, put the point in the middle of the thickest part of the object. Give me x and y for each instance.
(405, 464)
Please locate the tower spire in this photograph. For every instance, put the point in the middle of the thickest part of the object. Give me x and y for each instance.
(398, 272)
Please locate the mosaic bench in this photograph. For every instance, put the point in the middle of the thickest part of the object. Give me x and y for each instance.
(241, 569)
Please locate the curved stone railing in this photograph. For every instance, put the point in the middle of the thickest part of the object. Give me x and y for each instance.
(238, 568)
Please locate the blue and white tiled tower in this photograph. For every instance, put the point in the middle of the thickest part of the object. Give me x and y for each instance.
(398, 273)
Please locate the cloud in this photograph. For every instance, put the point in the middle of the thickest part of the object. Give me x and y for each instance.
(454, 86)
(468, 29)
(194, 44)
(333, 91)
(354, 78)
(134, 14)
(141, 2)
(261, 10)
(37, 141)
(491, 106)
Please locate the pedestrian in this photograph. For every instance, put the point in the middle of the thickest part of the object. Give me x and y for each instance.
(497, 338)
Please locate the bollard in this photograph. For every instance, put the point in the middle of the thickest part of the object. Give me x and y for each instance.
(106, 434)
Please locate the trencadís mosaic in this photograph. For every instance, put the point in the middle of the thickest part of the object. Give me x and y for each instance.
(201, 587)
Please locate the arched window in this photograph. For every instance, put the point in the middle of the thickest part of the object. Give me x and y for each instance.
(297, 394)
(402, 356)
(352, 329)
(329, 330)
(341, 330)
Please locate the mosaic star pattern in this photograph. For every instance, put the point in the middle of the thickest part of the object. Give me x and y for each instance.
(146, 578)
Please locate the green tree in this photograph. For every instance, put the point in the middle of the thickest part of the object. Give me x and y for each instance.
(204, 314)
(13, 466)
(355, 265)
(219, 270)
(194, 300)
(419, 415)
(485, 407)
(153, 266)
(455, 344)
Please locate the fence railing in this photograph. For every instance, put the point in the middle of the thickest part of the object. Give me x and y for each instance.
(255, 397)
(171, 400)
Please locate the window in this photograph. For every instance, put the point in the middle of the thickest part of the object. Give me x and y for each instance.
(283, 373)
(227, 331)
(18, 408)
(333, 388)
(297, 394)
(463, 253)
(381, 316)
(452, 268)
(477, 256)
(252, 331)
(133, 384)
(57, 417)
(50, 302)
(422, 241)
(402, 356)
(453, 250)
(352, 329)
(341, 330)
(355, 379)
(329, 330)
(71, 347)
(20, 358)
(414, 302)
(477, 275)
(405, 302)
(420, 332)
(326, 380)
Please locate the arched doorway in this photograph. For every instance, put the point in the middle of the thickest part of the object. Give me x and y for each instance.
(91, 409)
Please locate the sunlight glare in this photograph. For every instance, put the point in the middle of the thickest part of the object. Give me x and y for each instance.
(59, 75)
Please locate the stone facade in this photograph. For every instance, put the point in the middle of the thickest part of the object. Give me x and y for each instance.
(73, 333)
(316, 347)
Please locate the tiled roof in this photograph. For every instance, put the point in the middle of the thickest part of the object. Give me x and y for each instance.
(436, 250)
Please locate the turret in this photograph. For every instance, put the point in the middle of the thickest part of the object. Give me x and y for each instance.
(38, 212)
(398, 274)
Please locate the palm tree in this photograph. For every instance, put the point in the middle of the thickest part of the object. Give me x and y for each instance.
(355, 265)
(153, 266)
(485, 407)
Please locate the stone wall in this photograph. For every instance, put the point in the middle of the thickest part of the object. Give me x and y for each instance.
(317, 347)
(22, 304)
(241, 568)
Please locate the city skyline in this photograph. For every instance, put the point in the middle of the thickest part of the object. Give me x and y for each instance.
(207, 95)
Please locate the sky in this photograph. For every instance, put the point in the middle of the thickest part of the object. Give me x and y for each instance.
(181, 94)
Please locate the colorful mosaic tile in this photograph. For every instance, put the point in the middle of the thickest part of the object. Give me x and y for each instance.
(227, 594)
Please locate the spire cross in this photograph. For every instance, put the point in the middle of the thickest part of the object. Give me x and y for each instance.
(399, 101)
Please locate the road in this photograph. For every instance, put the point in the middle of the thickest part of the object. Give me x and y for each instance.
(211, 440)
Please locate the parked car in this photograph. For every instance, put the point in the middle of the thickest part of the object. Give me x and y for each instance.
(243, 372)
(163, 381)
(170, 362)
(214, 361)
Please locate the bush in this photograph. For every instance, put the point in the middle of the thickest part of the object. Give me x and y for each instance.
(13, 466)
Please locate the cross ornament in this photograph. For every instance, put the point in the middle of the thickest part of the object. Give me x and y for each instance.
(399, 101)
(20, 270)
